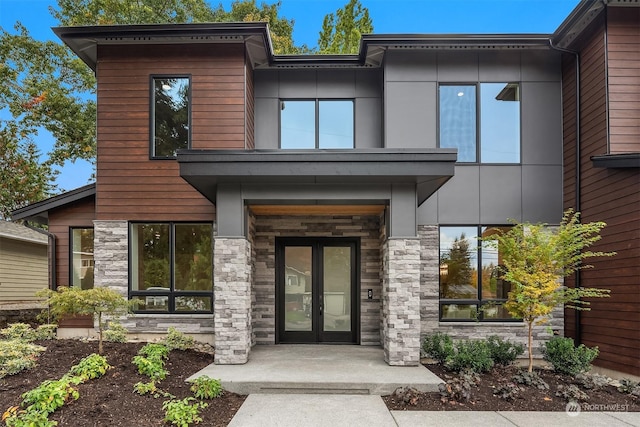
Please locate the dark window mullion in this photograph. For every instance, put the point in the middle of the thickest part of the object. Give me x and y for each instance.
(172, 254)
(317, 124)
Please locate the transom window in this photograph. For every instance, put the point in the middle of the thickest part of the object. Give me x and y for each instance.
(470, 275)
(171, 115)
(482, 121)
(170, 267)
(81, 261)
(311, 124)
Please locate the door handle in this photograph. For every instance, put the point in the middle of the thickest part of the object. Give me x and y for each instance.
(320, 307)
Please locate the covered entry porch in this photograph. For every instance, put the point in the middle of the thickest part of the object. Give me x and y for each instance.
(368, 197)
(305, 368)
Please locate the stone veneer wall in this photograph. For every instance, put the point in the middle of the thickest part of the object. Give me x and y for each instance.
(232, 300)
(111, 258)
(429, 304)
(267, 228)
(401, 301)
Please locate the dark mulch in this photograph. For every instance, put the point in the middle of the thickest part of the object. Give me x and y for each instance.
(110, 400)
(529, 399)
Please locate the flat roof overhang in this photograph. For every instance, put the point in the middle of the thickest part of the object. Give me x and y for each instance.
(428, 169)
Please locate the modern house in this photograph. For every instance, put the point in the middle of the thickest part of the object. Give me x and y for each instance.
(24, 266)
(257, 199)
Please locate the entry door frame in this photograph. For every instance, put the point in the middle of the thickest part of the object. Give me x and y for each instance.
(317, 336)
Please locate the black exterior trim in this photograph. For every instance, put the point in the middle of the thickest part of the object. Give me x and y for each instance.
(38, 211)
(614, 161)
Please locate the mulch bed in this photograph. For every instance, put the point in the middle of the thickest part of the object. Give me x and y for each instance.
(530, 399)
(110, 400)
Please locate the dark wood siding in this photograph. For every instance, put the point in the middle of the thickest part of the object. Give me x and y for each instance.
(250, 138)
(609, 195)
(79, 214)
(623, 43)
(130, 185)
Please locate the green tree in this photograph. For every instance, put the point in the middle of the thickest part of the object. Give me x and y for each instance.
(459, 270)
(342, 30)
(23, 177)
(536, 257)
(96, 302)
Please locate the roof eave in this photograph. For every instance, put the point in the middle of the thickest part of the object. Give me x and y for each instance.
(38, 211)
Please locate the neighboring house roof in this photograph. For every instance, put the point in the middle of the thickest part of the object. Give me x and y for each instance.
(38, 211)
(13, 231)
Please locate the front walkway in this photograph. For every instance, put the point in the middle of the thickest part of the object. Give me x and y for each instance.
(312, 410)
(326, 369)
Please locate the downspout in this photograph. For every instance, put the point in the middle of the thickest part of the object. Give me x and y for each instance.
(578, 193)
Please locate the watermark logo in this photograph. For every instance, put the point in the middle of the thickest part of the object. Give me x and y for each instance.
(573, 409)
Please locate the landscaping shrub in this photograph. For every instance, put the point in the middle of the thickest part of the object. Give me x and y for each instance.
(24, 332)
(92, 366)
(628, 386)
(183, 413)
(473, 355)
(206, 388)
(439, 346)
(503, 352)
(116, 332)
(50, 395)
(458, 389)
(571, 393)
(150, 361)
(532, 379)
(177, 340)
(17, 355)
(592, 381)
(508, 391)
(566, 357)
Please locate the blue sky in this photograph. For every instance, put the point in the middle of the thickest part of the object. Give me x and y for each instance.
(389, 16)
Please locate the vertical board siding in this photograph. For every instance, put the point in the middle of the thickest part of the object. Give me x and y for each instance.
(609, 195)
(623, 44)
(24, 270)
(79, 214)
(130, 185)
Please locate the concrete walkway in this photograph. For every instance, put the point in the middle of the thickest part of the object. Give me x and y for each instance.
(330, 369)
(313, 410)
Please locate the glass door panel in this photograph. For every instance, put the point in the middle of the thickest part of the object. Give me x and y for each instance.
(336, 288)
(298, 288)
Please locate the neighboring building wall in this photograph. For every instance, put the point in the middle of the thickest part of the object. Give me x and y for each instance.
(364, 86)
(24, 270)
(267, 228)
(623, 64)
(429, 305)
(609, 195)
(78, 214)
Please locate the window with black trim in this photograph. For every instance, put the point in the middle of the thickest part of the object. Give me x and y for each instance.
(471, 287)
(481, 120)
(170, 267)
(170, 115)
(81, 257)
(317, 124)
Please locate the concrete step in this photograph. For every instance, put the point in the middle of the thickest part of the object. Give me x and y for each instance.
(319, 369)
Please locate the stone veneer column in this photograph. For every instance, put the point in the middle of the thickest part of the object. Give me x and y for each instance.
(111, 255)
(232, 300)
(401, 301)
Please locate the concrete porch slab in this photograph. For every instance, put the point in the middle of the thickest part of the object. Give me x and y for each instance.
(316, 369)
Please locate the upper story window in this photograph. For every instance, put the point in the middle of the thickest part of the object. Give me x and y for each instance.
(481, 121)
(310, 124)
(170, 115)
(470, 284)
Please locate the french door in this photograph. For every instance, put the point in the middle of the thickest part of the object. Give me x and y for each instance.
(316, 285)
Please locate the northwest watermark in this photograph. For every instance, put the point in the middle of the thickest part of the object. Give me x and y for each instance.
(573, 408)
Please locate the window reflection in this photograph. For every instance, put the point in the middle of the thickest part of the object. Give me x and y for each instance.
(458, 120)
(297, 124)
(458, 263)
(170, 115)
(82, 266)
(500, 124)
(311, 124)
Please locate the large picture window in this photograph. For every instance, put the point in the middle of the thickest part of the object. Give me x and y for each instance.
(470, 283)
(171, 115)
(310, 124)
(481, 121)
(81, 260)
(170, 268)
